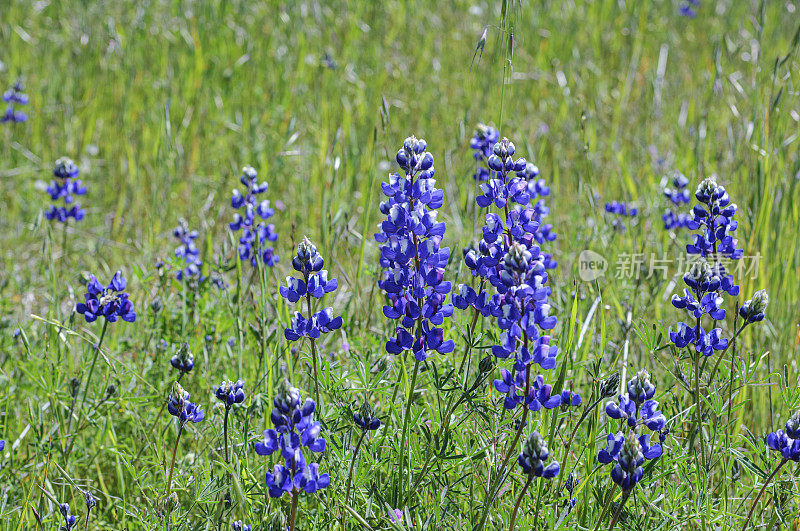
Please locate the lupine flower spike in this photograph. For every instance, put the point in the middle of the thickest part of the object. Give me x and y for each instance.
(111, 302)
(239, 526)
(412, 255)
(484, 138)
(628, 448)
(255, 238)
(619, 211)
(70, 520)
(533, 461)
(229, 393)
(65, 187)
(314, 284)
(187, 253)
(294, 429)
(14, 97)
(678, 195)
(787, 443)
(184, 411)
(413, 260)
(183, 360)
(509, 259)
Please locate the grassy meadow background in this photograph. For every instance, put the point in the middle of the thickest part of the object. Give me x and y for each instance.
(162, 102)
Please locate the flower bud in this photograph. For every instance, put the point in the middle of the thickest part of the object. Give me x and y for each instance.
(610, 385)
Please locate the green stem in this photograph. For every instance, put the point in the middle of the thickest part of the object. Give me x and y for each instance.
(519, 500)
(295, 498)
(606, 506)
(760, 492)
(625, 496)
(172, 464)
(225, 432)
(406, 415)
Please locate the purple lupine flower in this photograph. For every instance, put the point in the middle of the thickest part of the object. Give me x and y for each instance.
(181, 408)
(787, 441)
(619, 211)
(183, 360)
(678, 195)
(688, 8)
(70, 520)
(482, 141)
(636, 408)
(412, 256)
(111, 303)
(629, 455)
(570, 398)
(708, 279)
(187, 252)
(253, 243)
(754, 310)
(366, 418)
(239, 526)
(314, 284)
(231, 393)
(533, 457)
(508, 258)
(65, 187)
(15, 96)
(294, 429)
(91, 502)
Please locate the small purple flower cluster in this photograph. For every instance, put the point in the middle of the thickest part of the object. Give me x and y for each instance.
(412, 255)
(314, 284)
(629, 450)
(188, 252)
(787, 441)
(65, 187)
(509, 258)
(181, 408)
(70, 520)
(708, 279)
(183, 360)
(230, 393)
(619, 211)
(110, 303)
(294, 429)
(533, 458)
(252, 234)
(677, 195)
(688, 8)
(14, 96)
(484, 138)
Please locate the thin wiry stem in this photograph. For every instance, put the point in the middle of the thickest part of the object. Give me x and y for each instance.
(760, 492)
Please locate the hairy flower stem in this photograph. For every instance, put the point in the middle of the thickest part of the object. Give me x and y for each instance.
(519, 500)
(606, 506)
(313, 351)
(295, 499)
(496, 484)
(625, 496)
(406, 415)
(350, 472)
(699, 401)
(225, 432)
(760, 492)
(172, 464)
